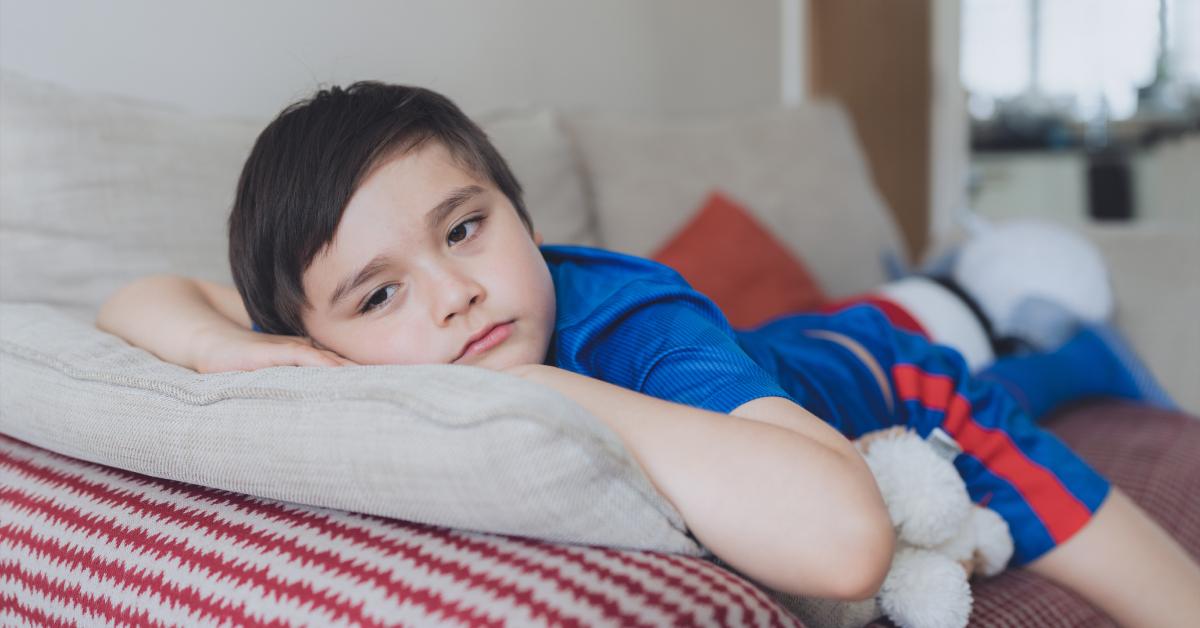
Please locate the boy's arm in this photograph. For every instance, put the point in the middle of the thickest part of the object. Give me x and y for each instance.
(200, 325)
(783, 507)
(789, 415)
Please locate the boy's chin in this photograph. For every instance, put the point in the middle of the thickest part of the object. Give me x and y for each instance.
(502, 361)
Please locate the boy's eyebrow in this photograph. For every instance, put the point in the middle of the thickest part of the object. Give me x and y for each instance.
(347, 285)
(433, 218)
(450, 203)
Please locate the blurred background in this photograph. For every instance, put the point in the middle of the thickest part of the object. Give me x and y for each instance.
(1079, 111)
(1083, 110)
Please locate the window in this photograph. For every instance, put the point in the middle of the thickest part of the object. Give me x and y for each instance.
(1082, 55)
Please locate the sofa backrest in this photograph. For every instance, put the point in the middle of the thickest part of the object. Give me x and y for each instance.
(799, 170)
(97, 190)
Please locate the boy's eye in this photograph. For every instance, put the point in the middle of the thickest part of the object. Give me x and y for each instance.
(377, 299)
(461, 233)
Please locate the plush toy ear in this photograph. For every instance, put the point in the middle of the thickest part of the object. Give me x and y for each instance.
(994, 544)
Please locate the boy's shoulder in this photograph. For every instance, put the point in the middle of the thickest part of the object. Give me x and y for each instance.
(571, 263)
(587, 277)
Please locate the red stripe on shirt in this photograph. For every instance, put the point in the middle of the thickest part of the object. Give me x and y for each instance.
(1059, 510)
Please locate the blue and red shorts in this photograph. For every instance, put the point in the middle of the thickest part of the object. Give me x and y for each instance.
(1027, 475)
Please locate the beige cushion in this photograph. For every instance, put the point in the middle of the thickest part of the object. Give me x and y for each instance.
(799, 171)
(537, 151)
(448, 445)
(98, 190)
(1157, 290)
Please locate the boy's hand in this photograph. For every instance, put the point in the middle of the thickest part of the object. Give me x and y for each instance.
(244, 350)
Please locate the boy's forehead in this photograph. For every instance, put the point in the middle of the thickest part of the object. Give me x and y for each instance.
(430, 159)
(409, 191)
(407, 197)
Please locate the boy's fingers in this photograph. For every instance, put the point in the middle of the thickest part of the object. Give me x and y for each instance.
(334, 359)
(301, 355)
(338, 360)
(325, 359)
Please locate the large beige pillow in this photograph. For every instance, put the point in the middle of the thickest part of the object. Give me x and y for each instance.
(457, 446)
(799, 171)
(97, 190)
(536, 149)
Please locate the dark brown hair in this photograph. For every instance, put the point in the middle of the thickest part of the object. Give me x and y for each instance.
(307, 163)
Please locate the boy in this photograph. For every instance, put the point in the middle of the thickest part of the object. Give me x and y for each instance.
(377, 225)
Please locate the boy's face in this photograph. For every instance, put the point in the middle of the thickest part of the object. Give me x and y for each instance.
(427, 256)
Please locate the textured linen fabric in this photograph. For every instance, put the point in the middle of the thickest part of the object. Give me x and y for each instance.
(535, 147)
(447, 445)
(99, 190)
(799, 171)
(82, 544)
(1157, 288)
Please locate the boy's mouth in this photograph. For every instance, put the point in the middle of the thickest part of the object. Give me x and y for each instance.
(486, 339)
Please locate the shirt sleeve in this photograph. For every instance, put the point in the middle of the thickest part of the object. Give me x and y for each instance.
(682, 350)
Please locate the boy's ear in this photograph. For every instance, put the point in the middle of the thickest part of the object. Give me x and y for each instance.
(537, 237)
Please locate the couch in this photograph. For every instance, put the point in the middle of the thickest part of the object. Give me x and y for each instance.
(136, 492)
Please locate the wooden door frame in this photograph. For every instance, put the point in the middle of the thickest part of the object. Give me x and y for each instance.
(874, 57)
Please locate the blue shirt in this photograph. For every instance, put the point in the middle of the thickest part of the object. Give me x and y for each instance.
(638, 324)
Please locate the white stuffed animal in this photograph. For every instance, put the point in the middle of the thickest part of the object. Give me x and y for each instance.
(1004, 266)
(942, 539)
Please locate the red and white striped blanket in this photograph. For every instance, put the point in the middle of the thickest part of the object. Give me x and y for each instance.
(83, 544)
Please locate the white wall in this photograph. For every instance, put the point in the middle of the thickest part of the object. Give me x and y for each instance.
(949, 140)
(226, 56)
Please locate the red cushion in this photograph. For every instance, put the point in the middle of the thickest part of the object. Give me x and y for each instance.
(732, 259)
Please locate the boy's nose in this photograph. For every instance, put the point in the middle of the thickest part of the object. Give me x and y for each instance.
(455, 293)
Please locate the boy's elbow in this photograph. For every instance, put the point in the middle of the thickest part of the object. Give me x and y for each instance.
(132, 295)
(860, 556)
(869, 550)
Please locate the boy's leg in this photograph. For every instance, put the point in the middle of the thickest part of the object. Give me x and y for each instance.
(1128, 566)
(1064, 358)
(1094, 362)
(1066, 521)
